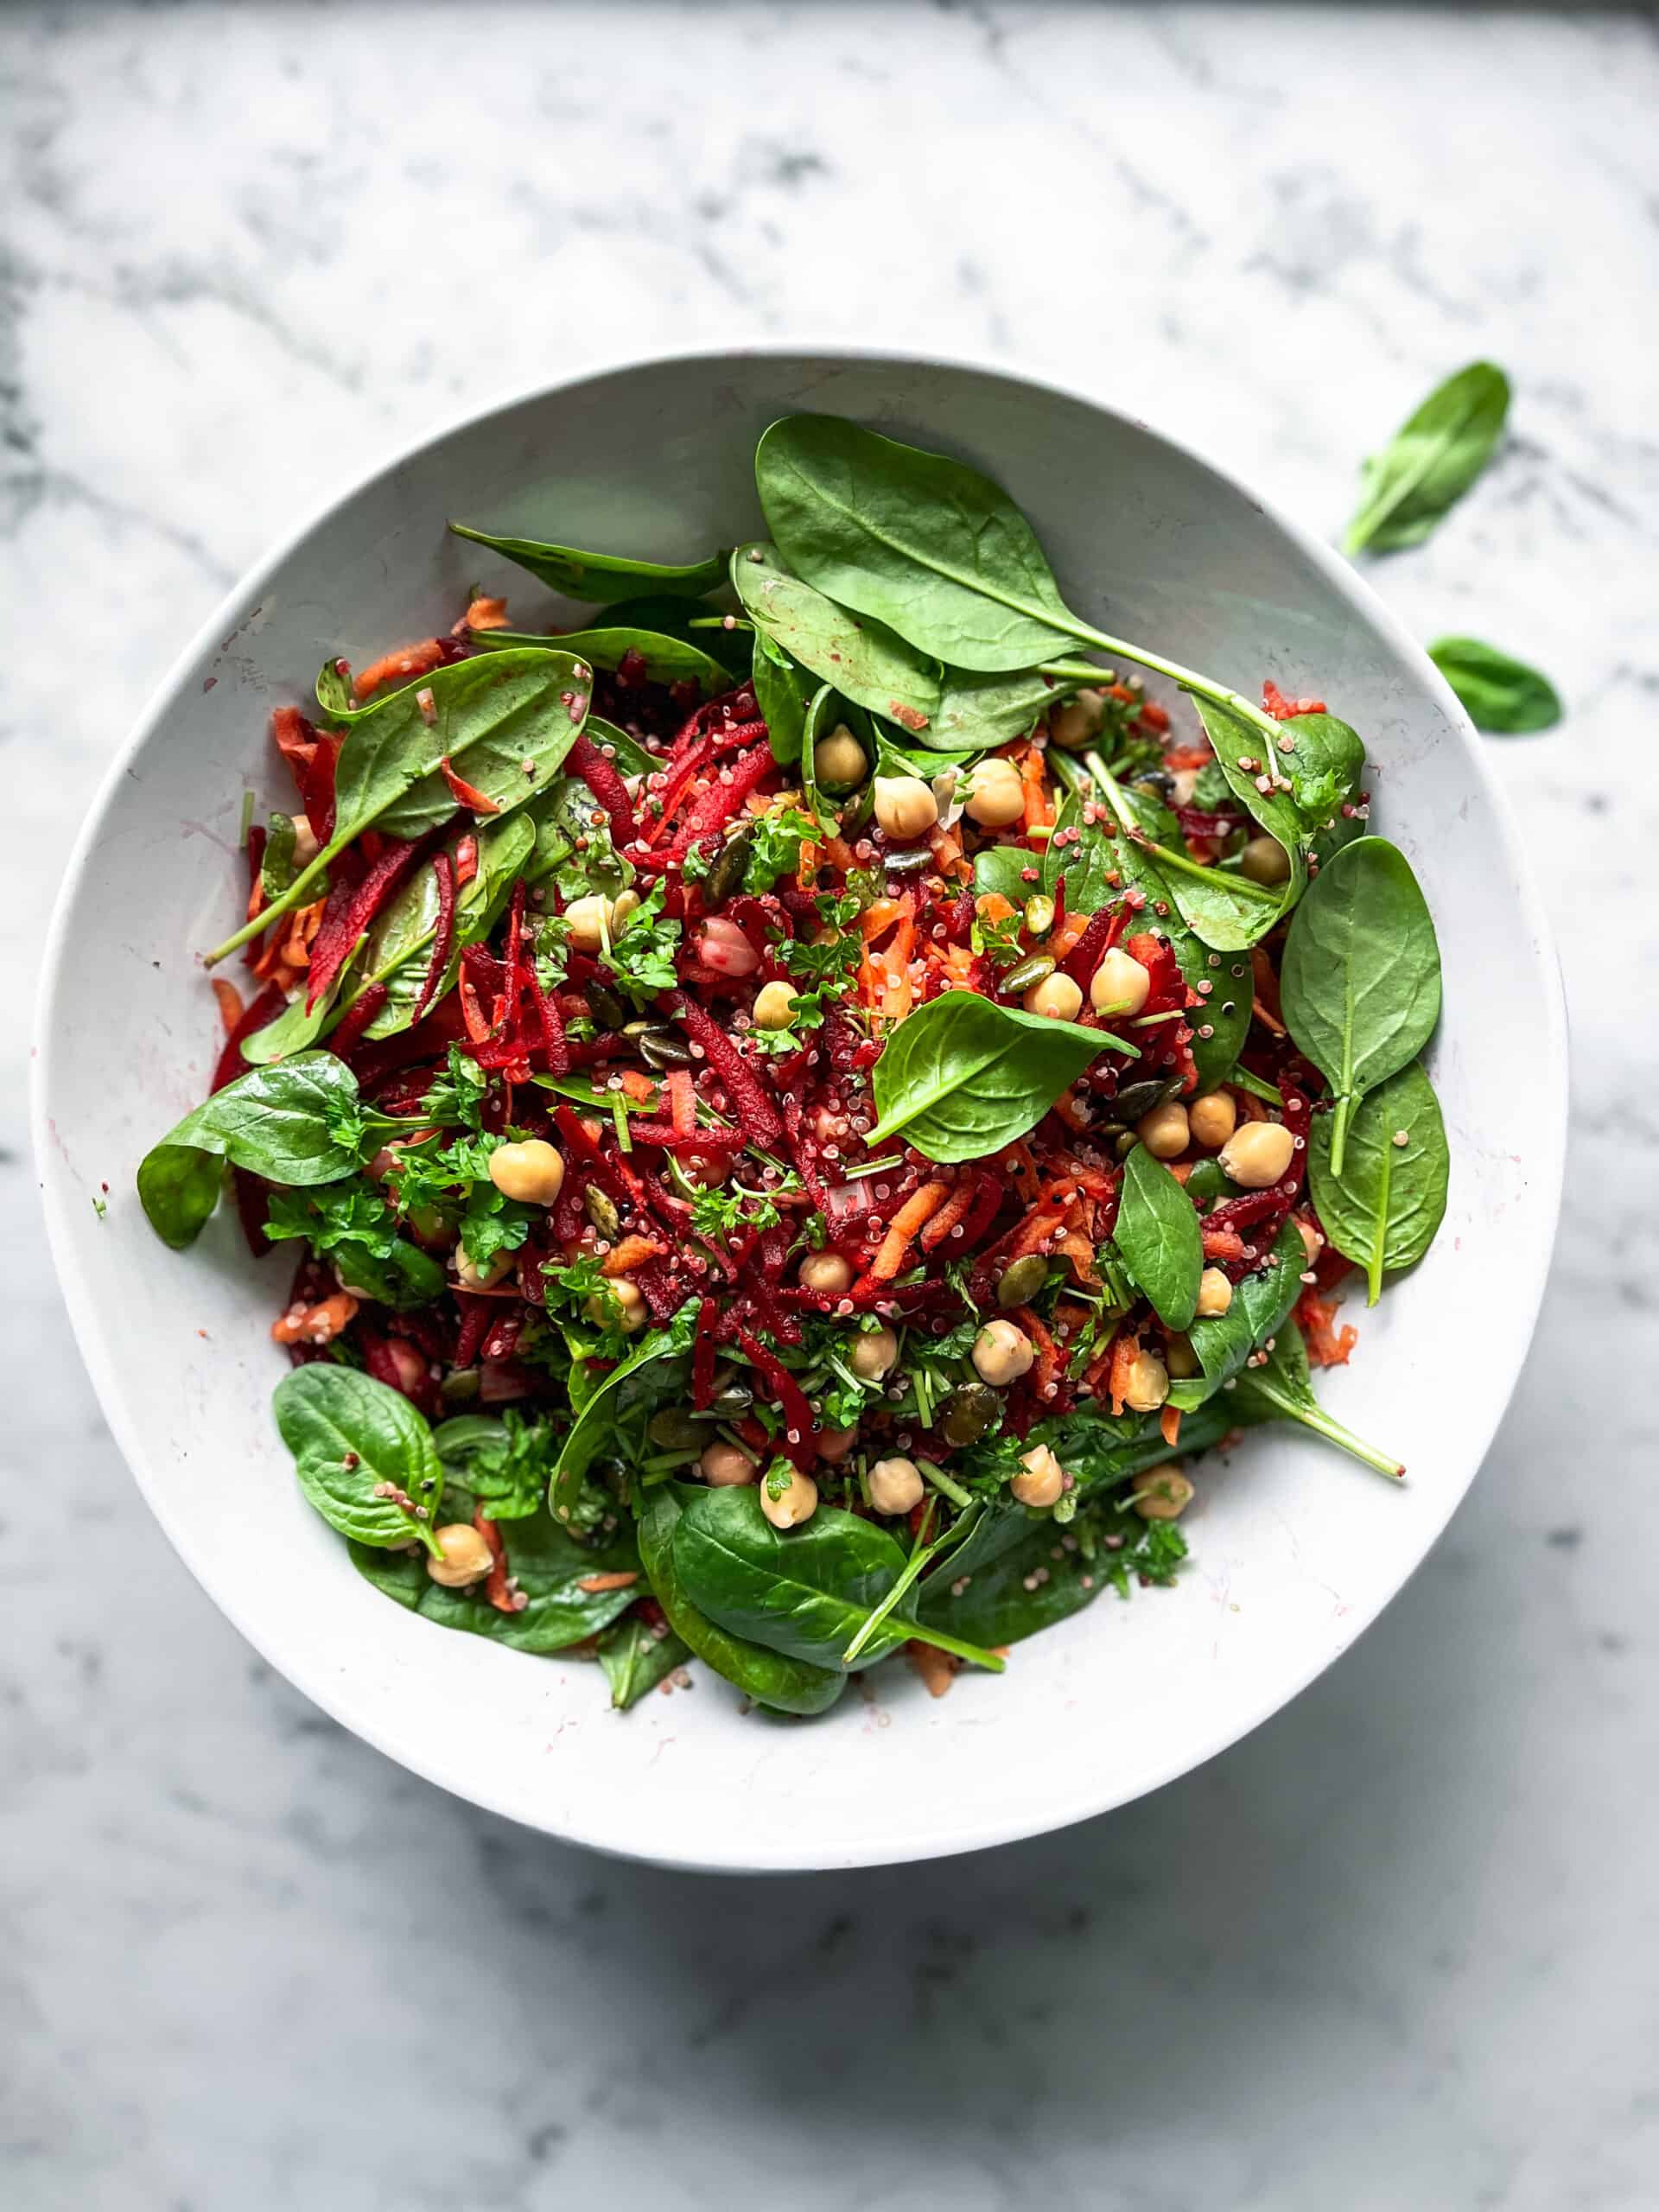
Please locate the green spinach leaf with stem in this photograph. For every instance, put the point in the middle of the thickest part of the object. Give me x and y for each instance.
(1431, 462)
(300, 1123)
(350, 1436)
(599, 578)
(782, 692)
(1360, 982)
(962, 1075)
(667, 660)
(612, 1421)
(931, 548)
(1499, 694)
(637, 1657)
(863, 659)
(488, 717)
(1383, 1207)
(1282, 1390)
(981, 708)
(769, 1677)
(1226, 911)
(1261, 1301)
(1159, 1239)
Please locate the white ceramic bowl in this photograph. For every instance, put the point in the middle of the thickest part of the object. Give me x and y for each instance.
(1295, 1549)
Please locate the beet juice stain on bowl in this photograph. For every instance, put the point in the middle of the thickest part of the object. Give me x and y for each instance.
(811, 1108)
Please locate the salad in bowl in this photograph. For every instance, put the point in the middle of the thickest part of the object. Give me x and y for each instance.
(809, 1110)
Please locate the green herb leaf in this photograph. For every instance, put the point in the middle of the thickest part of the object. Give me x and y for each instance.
(1431, 462)
(612, 1419)
(961, 1077)
(637, 1657)
(1282, 1390)
(349, 1434)
(601, 578)
(782, 690)
(1159, 1239)
(667, 660)
(506, 1464)
(1381, 1209)
(1360, 982)
(350, 1222)
(178, 1188)
(1261, 1301)
(864, 661)
(1498, 694)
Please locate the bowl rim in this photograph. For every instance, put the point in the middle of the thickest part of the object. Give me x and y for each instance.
(79, 1294)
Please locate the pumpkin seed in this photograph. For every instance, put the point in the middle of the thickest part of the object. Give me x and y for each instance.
(1019, 1282)
(1034, 969)
(1040, 914)
(731, 1403)
(914, 859)
(662, 1047)
(606, 1007)
(600, 1210)
(725, 878)
(460, 1386)
(966, 1413)
(676, 1428)
(1136, 1100)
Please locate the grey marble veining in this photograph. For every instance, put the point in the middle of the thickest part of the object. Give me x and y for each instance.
(1397, 1947)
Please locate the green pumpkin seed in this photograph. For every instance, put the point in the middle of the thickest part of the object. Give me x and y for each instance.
(1040, 914)
(1035, 969)
(914, 859)
(731, 1403)
(661, 1048)
(1019, 1283)
(1136, 1100)
(606, 1007)
(676, 1428)
(600, 1210)
(966, 1413)
(725, 878)
(460, 1387)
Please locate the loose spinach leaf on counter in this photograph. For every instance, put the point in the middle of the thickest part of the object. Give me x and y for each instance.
(1382, 1208)
(598, 578)
(487, 717)
(1431, 462)
(667, 660)
(771, 1679)
(863, 660)
(1159, 1239)
(804, 1591)
(1500, 695)
(1282, 1390)
(1261, 1301)
(300, 1123)
(1360, 982)
(637, 1657)
(349, 1434)
(961, 1077)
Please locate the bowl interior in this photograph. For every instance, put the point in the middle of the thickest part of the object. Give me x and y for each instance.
(1295, 1549)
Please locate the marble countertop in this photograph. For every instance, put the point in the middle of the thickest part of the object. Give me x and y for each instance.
(1397, 1948)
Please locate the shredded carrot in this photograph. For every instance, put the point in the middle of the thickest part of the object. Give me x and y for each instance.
(486, 614)
(841, 854)
(466, 794)
(406, 661)
(1065, 934)
(1036, 1229)
(1327, 1345)
(623, 1579)
(1223, 1244)
(1033, 775)
(629, 1253)
(635, 1083)
(918, 1209)
(495, 1583)
(1170, 1422)
(230, 1003)
(1181, 1169)
(992, 906)
(1047, 1368)
(954, 1210)
(1126, 1350)
(465, 861)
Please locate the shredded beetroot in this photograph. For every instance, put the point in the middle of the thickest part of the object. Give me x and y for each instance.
(266, 1008)
(800, 1433)
(748, 1094)
(317, 790)
(702, 1355)
(605, 784)
(351, 908)
(1100, 935)
(722, 800)
(444, 935)
(358, 1016)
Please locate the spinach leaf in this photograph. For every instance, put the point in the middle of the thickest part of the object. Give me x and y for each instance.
(1225, 911)
(863, 660)
(781, 692)
(1282, 1390)
(350, 1223)
(686, 619)
(770, 1678)
(1247, 760)
(1027, 1579)
(399, 948)
(963, 1077)
(350, 1435)
(1431, 462)
(1159, 1239)
(550, 1568)
(667, 660)
(1382, 1208)
(806, 1592)
(1498, 694)
(1002, 869)
(1324, 762)
(980, 709)
(599, 578)
(1360, 982)
(488, 717)
(298, 1024)
(637, 1657)
(299, 1124)
(612, 1421)
(1261, 1301)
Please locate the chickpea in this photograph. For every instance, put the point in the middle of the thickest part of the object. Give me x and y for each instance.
(1215, 1292)
(1057, 996)
(1078, 720)
(532, 1173)
(1212, 1119)
(590, 920)
(825, 1273)
(1002, 1353)
(621, 1305)
(895, 1485)
(838, 761)
(799, 1502)
(1179, 1357)
(723, 946)
(1043, 1480)
(707, 1170)
(1167, 1496)
(834, 1444)
(306, 847)
(1257, 1154)
(1264, 860)
(774, 1006)
(485, 1278)
(725, 1466)
(872, 1355)
(1163, 1131)
(998, 796)
(905, 806)
(1313, 1243)
(1120, 984)
(467, 1558)
(1148, 1383)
